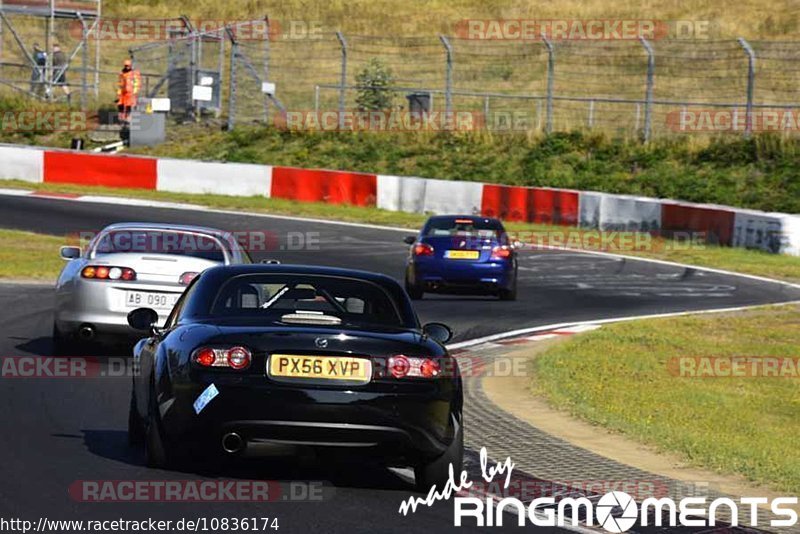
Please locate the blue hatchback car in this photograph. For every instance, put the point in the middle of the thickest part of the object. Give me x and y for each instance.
(461, 254)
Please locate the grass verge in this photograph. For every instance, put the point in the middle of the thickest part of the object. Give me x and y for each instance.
(739, 260)
(762, 172)
(758, 173)
(29, 256)
(618, 377)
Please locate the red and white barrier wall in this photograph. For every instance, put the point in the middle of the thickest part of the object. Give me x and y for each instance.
(620, 212)
(22, 163)
(531, 204)
(772, 232)
(236, 179)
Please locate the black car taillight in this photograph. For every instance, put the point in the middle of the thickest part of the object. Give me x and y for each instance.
(237, 357)
(402, 366)
(105, 272)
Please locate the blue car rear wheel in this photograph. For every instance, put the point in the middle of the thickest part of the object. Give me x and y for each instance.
(414, 292)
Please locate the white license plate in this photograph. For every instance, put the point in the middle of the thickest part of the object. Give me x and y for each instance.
(145, 299)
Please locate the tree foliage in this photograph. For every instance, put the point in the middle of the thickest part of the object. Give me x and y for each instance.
(373, 82)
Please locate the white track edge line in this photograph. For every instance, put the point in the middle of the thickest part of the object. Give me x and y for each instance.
(669, 263)
(532, 330)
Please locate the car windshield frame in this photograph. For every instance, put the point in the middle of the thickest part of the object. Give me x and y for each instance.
(223, 247)
(275, 316)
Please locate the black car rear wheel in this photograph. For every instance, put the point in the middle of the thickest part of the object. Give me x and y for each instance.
(155, 450)
(437, 471)
(136, 432)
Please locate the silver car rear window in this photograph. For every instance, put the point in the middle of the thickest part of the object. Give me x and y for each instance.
(160, 242)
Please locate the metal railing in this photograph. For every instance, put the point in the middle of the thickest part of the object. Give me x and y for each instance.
(636, 87)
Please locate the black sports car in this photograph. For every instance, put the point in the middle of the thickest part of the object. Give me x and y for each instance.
(256, 358)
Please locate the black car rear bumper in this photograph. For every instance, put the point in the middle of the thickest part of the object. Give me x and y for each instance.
(415, 424)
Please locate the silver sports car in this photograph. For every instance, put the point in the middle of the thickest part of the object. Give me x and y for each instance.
(128, 266)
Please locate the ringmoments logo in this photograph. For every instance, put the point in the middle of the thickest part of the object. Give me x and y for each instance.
(615, 511)
(616, 500)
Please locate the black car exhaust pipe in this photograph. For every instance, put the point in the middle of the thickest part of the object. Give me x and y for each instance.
(86, 332)
(232, 443)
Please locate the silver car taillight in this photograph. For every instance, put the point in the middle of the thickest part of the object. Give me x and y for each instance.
(105, 272)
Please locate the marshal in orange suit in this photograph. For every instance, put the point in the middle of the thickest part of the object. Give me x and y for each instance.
(130, 80)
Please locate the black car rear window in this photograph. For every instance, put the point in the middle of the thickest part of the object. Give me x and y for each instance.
(464, 226)
(169, 242)
(307, 299)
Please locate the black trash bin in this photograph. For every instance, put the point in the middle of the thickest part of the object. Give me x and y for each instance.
(419, 102)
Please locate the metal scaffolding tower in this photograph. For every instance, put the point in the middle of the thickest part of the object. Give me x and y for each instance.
(82, 18)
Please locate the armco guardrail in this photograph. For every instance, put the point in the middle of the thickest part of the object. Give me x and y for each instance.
(772, 232)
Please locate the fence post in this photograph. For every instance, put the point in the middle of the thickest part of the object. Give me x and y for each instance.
(551, 67)
(751, 82)
(48, 46)
(448, 80)
(343, 80)
(591, 114)
(220, 69)
(232, 80)
(266, 70)
(648, 105)
(538, 114)
(193, 54)
(84, 60)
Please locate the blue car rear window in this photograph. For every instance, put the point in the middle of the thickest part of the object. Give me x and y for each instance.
(468, 227)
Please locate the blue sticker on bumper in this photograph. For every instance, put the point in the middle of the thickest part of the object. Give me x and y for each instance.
(205, 397)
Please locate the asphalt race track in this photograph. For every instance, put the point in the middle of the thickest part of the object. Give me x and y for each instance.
(58, 431)
(555, 287)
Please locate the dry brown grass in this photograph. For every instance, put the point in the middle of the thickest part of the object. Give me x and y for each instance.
(707, 71)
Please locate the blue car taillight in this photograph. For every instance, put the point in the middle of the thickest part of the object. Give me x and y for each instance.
(423, 249)
(502, 253)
